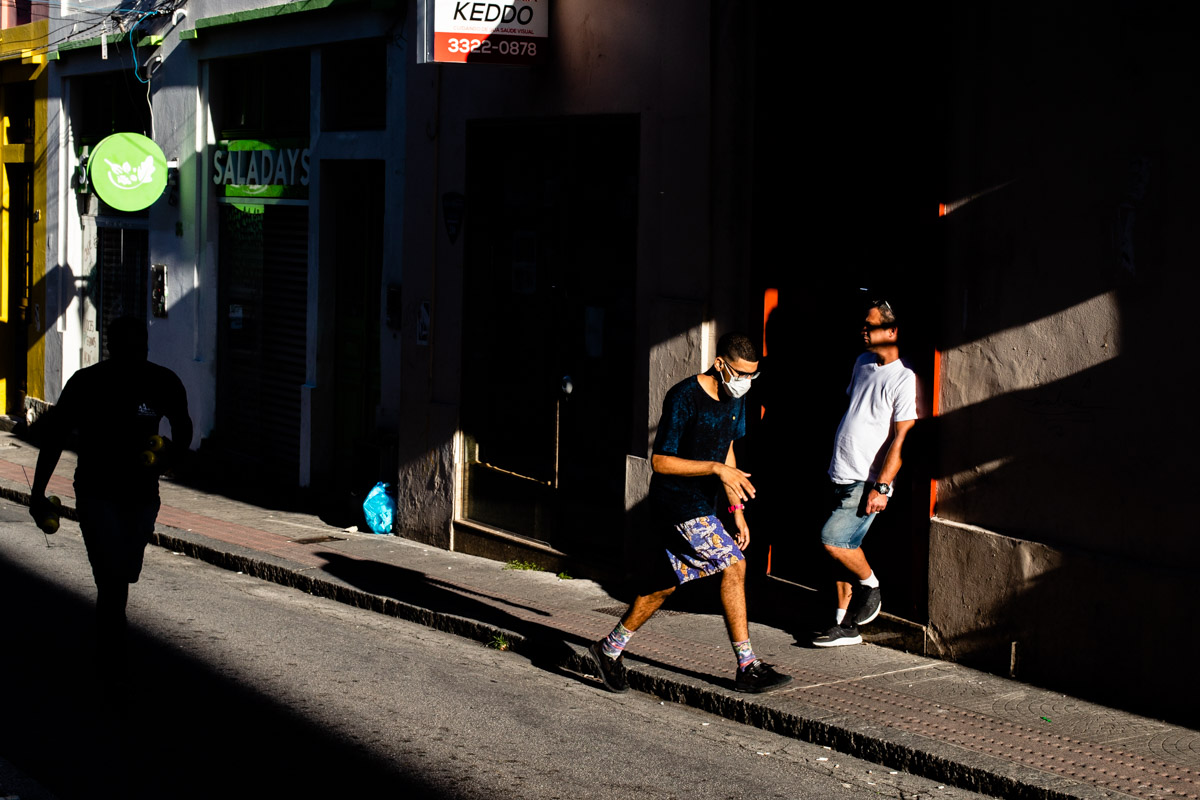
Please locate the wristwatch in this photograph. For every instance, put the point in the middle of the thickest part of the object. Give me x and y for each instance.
(884, 489)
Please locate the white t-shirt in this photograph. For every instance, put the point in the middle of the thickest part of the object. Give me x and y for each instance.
(879, 396)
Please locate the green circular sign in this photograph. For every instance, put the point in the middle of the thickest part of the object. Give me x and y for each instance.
(128, 171)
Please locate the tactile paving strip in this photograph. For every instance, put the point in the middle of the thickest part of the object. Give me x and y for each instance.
(1073, 758)
(1087, 762)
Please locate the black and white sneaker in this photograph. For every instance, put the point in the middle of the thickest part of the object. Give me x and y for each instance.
(760, 677)
(839, 635)
(865, 604)
(609, 670)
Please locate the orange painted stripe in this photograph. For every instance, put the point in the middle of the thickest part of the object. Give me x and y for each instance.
(936, 408)
(770, 303)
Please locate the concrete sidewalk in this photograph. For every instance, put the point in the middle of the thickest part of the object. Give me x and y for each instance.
(934, 718)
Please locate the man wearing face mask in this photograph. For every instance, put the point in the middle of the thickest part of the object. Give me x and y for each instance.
(694, 465)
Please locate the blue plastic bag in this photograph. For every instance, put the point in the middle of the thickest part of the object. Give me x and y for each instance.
(380, 508)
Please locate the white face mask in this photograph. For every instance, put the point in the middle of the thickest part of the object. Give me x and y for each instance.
(736, 386)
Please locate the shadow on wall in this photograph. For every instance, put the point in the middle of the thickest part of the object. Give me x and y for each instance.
(249, 470)
(1067, 317)
(1085, 624)
(1069, 463)
(1085, 471)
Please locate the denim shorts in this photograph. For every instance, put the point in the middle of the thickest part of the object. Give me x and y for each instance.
(848, 521)
(701, 547)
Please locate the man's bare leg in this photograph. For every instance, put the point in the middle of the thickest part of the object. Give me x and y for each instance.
(855, 563)
(752, 674)
(643, 608)
(111, 599)
(606, 654)
(733, 601)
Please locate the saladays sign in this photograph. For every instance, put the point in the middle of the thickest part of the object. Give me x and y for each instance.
(253, 168)
(485, 31)
(128, 171)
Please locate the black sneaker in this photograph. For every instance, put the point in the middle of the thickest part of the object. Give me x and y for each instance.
(609, 670)
(865, 604)
(839, 635)
(760, 677)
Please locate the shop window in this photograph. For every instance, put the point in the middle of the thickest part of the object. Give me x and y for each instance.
(110, 103)
(123, 261)
(261, 338)
(18, 113)
(354, 86)
(268, 92)
(17, 12)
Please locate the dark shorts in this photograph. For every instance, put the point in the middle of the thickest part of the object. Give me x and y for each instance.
(701, 547)
(116, 532)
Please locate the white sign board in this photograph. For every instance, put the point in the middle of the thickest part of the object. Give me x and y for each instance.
(485, 31)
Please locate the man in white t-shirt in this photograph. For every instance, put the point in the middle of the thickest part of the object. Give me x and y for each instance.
(866, 458)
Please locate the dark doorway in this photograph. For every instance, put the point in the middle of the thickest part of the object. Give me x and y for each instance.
(862, 225)
(352, 218)
(262, 341)
(549, 322)
(14, 334)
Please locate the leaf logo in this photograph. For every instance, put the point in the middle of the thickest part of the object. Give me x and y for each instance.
(127, 176)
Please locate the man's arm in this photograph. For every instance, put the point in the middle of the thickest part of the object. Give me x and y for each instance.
(180, 422)
(737, 483)
(47, 460)
(739, 517)
(891, 465)
(49, 452)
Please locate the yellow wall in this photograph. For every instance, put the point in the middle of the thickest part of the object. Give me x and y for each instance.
(23, 318)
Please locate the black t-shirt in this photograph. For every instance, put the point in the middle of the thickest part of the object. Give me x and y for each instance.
(115, 407)
(698, 428)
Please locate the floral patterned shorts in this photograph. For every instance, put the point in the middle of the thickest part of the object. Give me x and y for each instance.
(705, 549)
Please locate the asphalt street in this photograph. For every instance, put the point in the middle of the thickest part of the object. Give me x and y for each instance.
(235, 687)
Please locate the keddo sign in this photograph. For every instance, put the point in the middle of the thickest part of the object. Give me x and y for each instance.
(128, 171)
(484, 31)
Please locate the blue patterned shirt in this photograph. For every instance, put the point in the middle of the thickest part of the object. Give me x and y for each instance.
(698, 428)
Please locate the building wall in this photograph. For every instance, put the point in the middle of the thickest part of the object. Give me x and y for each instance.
(1061, 311)
(23, 108)
(1061, 534)
(656, 62)
(183, 224)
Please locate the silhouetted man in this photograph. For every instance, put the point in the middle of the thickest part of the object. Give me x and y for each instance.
(866, 459)
(115, 408)
(693, 464)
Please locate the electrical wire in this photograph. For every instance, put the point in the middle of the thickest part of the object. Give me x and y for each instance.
(133, 47)
(120, 15)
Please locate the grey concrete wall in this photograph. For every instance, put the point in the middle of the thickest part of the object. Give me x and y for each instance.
(185, 237)
(1063, 617)
(1065, 435)
(652, 60)
(185, 339)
